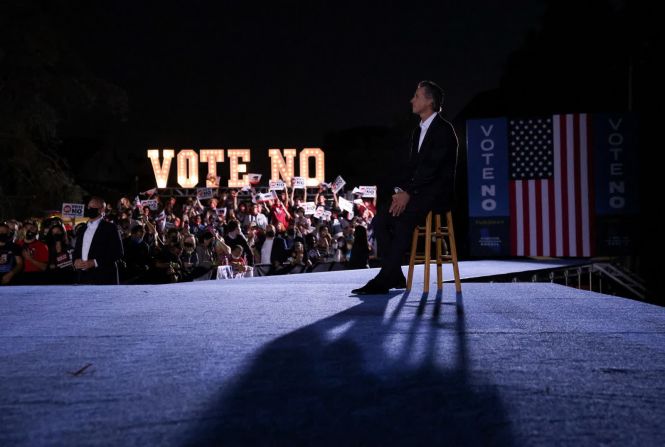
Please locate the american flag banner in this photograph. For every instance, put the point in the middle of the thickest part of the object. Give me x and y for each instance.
(549, 186)
(560, 185)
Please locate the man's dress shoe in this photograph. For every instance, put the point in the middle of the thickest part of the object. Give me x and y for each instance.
(371, 288)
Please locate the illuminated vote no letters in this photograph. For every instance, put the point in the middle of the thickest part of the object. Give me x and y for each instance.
(282, 165)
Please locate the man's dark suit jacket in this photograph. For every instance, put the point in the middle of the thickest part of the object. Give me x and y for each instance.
(428, 175)
(278, 253)
(106, 249)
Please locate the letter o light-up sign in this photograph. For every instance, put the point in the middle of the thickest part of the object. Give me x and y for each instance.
(188, 168)
(305, 155)
(281, 166)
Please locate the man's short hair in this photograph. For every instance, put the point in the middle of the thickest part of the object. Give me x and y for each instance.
(433, 92)
(232, 225)
(99, 200)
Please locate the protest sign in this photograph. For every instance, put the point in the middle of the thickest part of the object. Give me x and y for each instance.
(276, 185)
(72, 210)
(204, 193)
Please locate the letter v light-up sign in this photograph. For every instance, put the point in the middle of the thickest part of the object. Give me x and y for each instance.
(161, 171)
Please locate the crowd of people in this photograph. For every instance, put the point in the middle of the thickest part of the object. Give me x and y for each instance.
(176, 239)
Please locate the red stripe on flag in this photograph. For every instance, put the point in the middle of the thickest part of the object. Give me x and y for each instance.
(513, 219)
(525, 217)
(564, 185)
(577, 149)
(539, 217)
(592, 189)
(552, 218)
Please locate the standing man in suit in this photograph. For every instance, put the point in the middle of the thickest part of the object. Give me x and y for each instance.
(98, 247)
(423, 181)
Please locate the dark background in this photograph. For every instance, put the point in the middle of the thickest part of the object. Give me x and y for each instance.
(86, 87)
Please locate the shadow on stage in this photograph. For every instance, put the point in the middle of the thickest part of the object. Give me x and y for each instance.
(350, 379)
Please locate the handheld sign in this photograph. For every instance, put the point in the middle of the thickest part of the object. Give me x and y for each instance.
(368, 191)
(276, 185)
(298, 182)
(204, 193)
(265, 197)
(254, 179)
(319, 212)
(151, 203)
(221, 212)
(338, 184)
(327, 215)
(72, 210)
(345, 205)
(310, 208)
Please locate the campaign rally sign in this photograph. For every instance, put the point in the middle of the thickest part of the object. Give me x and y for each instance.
(298, 182)
(254, 179)
(319, 212)
(367, 191)
(276, 185)
(310, 208)
(72, 210)
(265, 197)
(150, 203)
(345, 205)
(338, 184)
(204, 193)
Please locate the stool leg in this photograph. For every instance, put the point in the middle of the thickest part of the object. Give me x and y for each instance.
(453, 251)
(412, 259)
(439, 242)
(428, 244)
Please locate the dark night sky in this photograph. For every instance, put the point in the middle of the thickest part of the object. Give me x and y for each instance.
(203, 75)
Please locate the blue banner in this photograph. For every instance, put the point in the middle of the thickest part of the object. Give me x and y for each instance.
(487, 156)
(615, 164)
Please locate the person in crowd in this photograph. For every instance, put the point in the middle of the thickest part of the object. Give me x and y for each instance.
(60, 267)
(237, 261)
(35, 256)
(273, 250)
(235, 237)
(279, 213)
(11, 260)
(255, 215)
(423, 180)
(205, 253)
(168, 266)
(360, 250)
(189, 258)
(137, 256)
(98, 248)
(298, 256)
(311, 249)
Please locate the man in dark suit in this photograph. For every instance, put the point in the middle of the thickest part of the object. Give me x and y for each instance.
(422, 181)
(98, 247)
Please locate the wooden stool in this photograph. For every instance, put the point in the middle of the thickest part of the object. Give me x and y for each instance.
(439, 233)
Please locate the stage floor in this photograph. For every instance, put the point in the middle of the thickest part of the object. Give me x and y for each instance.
(297, 360)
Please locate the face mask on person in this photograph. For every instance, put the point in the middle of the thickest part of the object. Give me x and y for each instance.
(30, 235)
(57, 237)
(92, 213)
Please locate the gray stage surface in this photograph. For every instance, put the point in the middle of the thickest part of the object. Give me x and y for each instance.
(297, 360)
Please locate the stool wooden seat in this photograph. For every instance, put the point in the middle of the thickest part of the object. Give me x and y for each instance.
(439, 233)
